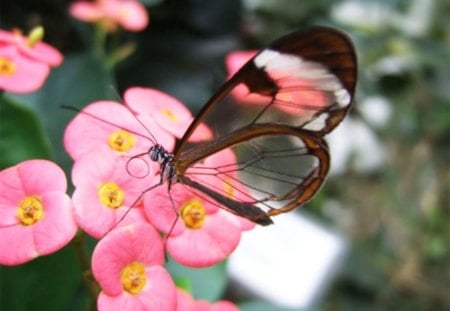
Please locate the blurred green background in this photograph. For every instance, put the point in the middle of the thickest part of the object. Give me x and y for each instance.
(395, 212)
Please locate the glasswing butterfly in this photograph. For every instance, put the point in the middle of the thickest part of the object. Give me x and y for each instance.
(266, 154)
(296, 90)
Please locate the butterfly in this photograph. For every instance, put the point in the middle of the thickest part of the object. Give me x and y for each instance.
(293, 93)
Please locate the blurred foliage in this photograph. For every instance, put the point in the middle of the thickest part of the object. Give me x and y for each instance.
(396, 216)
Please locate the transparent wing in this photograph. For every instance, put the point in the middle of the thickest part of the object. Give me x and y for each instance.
(269, 171)
(305, 80)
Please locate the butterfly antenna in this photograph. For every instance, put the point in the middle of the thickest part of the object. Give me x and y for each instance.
(137, 156)
(151, 139)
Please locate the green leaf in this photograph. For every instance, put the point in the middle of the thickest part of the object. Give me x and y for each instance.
(80, 80)
(22, 135)
(46, 283)
(205, 283)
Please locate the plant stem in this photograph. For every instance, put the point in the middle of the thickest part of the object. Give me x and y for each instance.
(79, 244)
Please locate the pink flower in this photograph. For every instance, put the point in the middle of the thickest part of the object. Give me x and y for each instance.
(168, 112)
(202, 235)
(19, 74)
(31, 46)
(129, 14)
(25, 61)
(106, 195)
(127, 263)
(36, 213)
(187, 303)
(110, 124)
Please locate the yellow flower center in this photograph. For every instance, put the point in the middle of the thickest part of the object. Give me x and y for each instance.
(169, 114)
(7, 67)
(36, 35)
(121, 140)
(133, 278)
(111, 195)
(30, 211)
(193, 213)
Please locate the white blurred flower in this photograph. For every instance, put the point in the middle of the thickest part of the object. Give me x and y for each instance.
(366, 15)
(392, 64)
(377, 15)
(376, 110)
(354, 143)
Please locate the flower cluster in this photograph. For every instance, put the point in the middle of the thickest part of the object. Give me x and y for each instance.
(113, 173)
(112, 176)
(25, 61)
(109, 143)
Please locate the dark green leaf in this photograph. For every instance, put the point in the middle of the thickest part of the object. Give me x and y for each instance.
(46, 283)
(21, 133)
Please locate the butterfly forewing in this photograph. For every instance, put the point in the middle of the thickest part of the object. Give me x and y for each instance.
(305, 80)
(270, 118)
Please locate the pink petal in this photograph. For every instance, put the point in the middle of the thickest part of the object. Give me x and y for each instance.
(208, 245)
(132, 15)
(224, 305)
(17, 245)
(28, 76)
(57, 228)
(244, 224)
(185, 302)
(139, 242)
(153, 103)
(11, 195)
(86, 11)
(157, 104)
(160, 211)
(42, 52)
(6, 37)
(40, 176)
(160, 291)
(201, 305)
(96, 167)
